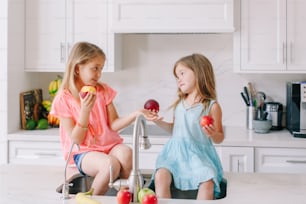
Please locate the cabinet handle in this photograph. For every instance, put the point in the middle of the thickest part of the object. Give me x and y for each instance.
(46, 154)
(296, 161)
(62, 57)
(291, 52)
(284, 53)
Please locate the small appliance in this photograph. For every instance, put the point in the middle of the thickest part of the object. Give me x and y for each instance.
(296, 108)
(275, 113)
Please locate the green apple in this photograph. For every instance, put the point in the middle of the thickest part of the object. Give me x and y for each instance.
(143, 192)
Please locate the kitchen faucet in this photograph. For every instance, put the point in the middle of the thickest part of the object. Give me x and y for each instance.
(135, 180)
(65, 189)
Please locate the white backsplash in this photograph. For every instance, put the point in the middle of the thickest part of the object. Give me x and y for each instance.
(147, 73)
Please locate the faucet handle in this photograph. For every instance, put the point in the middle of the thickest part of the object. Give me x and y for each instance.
(111, 181)
(119, 183)
(145, 142)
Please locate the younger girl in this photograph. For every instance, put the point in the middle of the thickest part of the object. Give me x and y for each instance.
(189, 159)
(92, 121)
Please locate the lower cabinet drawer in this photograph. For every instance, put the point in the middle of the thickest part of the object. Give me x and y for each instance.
(43, 153)
(280, 160)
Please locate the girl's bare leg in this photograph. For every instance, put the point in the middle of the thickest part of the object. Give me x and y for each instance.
(163, 181)
(96, 164)
(206, 191)
(124, 155)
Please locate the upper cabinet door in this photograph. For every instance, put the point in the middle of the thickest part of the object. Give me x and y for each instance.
(45, 36)
(262, 35)
(171, 16)
(296, 35)
(87, 21)
(271, 37)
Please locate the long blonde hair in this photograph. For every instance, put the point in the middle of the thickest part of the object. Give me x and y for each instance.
(80, 53)
(204, 78)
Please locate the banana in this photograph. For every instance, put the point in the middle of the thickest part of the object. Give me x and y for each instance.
(47, 104)
(85, 198)
(54, 85)
(59, 82)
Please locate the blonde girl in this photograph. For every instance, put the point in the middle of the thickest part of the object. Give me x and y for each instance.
(92, 122)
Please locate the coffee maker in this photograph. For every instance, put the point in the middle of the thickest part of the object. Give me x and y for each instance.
(275, 113)
(296, 109)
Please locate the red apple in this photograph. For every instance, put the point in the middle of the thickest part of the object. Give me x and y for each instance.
(151, 105)
(149, 199)
(87, 89)
(143, 192)
(124, 196)
(206, 120)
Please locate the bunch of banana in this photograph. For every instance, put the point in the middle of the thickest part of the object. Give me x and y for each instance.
(85, 198)
(53, 121)
(47, 104)
(54, 86)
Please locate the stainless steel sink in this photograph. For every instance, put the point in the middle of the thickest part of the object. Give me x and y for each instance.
(81, 183)
(192, 194)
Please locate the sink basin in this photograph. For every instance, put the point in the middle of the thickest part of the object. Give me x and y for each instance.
(81, 183)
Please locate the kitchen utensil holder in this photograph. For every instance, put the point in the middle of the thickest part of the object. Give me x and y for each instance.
(250, 116)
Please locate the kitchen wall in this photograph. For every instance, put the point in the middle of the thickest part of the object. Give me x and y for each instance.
(3, 79)
(147, 73)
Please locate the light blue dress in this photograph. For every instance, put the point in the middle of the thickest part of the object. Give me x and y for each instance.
(189, 154)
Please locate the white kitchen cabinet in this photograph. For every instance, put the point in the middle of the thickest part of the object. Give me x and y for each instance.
(280, 160)
(171, 16)
(236, 159)
(89, 22)
(270, 36)
(35, 152)
(53, 26)
(45, 35)
(296, 35)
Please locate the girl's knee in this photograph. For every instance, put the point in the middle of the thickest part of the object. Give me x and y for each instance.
(162, 175)
(122, 152)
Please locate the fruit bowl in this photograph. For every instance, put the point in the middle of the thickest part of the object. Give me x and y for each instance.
(262, 126)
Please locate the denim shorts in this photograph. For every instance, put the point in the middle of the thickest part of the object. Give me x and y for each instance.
(78, 161)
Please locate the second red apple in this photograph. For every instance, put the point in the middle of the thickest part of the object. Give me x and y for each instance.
(206, 120)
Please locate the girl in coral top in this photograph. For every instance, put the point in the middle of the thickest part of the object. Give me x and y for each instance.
(92, 122)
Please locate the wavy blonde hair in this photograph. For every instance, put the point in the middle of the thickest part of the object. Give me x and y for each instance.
(204, 78)
(81, 53)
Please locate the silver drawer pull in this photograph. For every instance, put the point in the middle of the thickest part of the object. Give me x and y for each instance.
(45, 154)
(296, 161)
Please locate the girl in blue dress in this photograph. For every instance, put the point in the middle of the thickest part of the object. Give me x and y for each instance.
(189, 159)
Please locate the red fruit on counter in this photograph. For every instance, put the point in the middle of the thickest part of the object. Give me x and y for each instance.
(87, 89)
(149, 199)
(124, 196)
(206, 120)
(151, 105)
(143, 192)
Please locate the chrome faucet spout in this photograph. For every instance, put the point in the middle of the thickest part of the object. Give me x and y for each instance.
(135, 180)
(65, 190)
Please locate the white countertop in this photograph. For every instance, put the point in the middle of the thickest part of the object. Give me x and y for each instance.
(21, 184)
(234, 136)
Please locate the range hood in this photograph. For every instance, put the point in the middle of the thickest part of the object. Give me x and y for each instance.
(171, 16)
